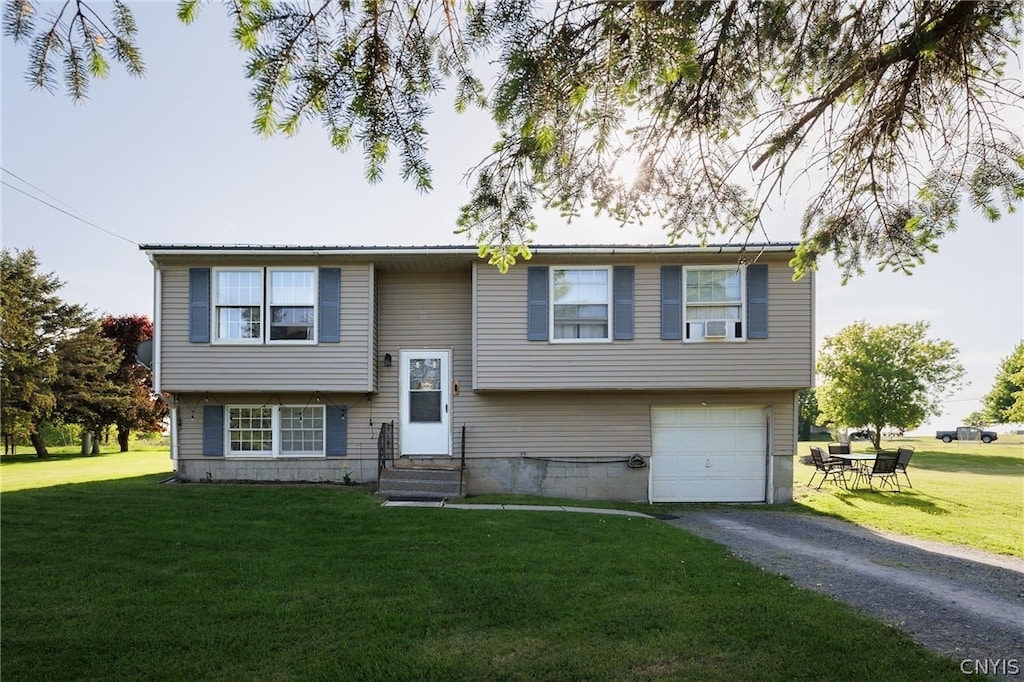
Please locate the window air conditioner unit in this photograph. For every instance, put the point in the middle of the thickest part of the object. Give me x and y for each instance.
(715, 329)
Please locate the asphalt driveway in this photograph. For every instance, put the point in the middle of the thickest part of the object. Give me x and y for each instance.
(965, 604)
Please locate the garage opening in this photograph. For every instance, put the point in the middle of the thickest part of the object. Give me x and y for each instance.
(708, 454)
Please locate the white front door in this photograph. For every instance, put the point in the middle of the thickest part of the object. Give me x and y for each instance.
(425, 382)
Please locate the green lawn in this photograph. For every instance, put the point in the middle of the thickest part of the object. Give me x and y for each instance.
(964, 493)
(128, 579)
(65, 465)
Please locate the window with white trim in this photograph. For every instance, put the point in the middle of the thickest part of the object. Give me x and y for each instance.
(276, 430)
(251, 430)
(292, 305)
(713, 303)
(302, 430)
(238, 305)
(581, 304)
(265, 305)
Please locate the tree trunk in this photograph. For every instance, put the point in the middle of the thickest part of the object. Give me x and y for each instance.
(876, 437)
(96, 444)
(38, 444)
(86, 442)
(122, 437)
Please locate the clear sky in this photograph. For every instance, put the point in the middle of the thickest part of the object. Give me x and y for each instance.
(171, 158)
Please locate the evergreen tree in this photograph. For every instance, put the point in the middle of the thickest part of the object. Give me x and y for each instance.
(33, 322)
(893, 108)
(85, 388)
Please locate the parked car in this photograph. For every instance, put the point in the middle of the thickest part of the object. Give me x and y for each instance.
(862, 433)
(967, 433)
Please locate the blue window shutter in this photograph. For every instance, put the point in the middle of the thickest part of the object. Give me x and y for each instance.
(330, 305)
(757, 301)
(671, 302)
(199, 305)
(336, 430)
(537, 299)
(213, 431)
(622, 293)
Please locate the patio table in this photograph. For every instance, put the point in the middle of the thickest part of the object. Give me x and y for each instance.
(849, 458)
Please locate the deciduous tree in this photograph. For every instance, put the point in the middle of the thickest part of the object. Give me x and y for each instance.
(143, 410)
(1005, 402)
(885, 376)
(897, 111)
(808, 412)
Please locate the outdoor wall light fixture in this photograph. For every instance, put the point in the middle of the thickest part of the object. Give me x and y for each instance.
(387, 359)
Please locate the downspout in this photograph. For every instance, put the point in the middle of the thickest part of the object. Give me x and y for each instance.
(171, 403)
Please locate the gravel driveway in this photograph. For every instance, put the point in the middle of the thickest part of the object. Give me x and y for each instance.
(962, 603)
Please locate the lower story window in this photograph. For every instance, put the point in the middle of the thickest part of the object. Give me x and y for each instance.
(302, 431)
(280, 430)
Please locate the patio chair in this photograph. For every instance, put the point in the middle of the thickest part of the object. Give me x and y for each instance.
(828, 468)
(903, 456)
(836, 452)
(884, 469)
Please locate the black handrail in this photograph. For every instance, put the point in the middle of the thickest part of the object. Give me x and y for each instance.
(462, 465)
(385, 447)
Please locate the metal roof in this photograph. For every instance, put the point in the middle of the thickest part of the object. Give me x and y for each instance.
(467, 249)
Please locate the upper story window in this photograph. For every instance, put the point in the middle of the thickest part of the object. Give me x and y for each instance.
(292, 305)
(256, 305)
(713, 303)
(580, 304)
(238, 305)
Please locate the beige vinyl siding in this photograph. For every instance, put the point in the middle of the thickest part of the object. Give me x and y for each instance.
(373, 341)
(190, 417)
(427, 310)
(560, 425)
(416, 310)
(211, 367)
(506, 360)
(583, 424)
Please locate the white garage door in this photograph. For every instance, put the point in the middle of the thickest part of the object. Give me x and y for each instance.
(708, 454)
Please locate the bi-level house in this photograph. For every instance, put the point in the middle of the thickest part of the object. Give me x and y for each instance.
(653, 373)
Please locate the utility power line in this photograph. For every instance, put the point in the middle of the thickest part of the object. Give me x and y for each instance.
(68, 213)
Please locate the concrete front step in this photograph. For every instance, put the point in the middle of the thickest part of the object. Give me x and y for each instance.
(419, 484)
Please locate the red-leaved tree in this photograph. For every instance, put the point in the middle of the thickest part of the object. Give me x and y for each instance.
(145, 411)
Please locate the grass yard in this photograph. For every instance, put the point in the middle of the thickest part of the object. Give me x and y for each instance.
(66, 465)
(964, 493)
(127, 579)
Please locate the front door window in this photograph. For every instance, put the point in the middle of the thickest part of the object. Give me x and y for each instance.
(425, 390)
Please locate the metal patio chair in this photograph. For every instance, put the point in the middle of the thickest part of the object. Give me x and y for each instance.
(835, 454)
(828, 468)
(903, 456)
(884, 470)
